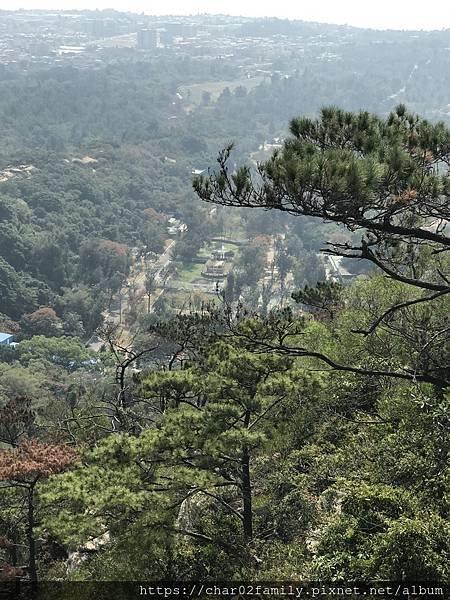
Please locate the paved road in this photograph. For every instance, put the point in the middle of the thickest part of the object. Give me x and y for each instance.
(157, 267)
(138, 279)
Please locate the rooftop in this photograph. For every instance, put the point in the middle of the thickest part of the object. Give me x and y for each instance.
(5, 336)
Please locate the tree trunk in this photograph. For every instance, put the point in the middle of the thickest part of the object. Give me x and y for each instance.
(247, 487)
(13, 549)
(30, 535)
(247, 495)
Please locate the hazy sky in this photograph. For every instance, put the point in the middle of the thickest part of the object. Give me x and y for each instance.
(395, 14)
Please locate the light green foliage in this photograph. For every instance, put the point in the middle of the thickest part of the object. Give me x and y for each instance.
(383, 533)
(66, 351)
(109, 490)
(401, 337)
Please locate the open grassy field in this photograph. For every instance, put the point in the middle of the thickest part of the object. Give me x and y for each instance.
(189, 273)
(194, 271)
(193, 94)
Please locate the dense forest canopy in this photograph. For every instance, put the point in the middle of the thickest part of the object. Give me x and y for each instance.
(223, 370)
(127, 113)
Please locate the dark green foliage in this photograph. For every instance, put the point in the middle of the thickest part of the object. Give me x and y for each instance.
(326, 296)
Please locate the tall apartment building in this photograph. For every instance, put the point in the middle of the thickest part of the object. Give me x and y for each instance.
(148, 39)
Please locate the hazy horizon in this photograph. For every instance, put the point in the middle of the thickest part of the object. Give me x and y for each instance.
(382, 15)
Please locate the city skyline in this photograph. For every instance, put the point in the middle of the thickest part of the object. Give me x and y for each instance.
(382, 15)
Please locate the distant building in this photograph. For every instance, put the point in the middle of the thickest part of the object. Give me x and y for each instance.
(6, 339)
(166, 37)
(148, 39)
(177, 30)
(101, 28)
(222, 254)
(71, 50)
(176, 227)
(338, 273)
(215, 268)
(85, 161)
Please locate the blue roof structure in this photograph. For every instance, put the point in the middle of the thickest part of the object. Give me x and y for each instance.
(4, 337)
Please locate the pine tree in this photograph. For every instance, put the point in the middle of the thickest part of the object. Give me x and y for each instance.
(384, 178)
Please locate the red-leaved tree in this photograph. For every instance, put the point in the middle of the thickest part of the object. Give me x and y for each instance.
(23, 467)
